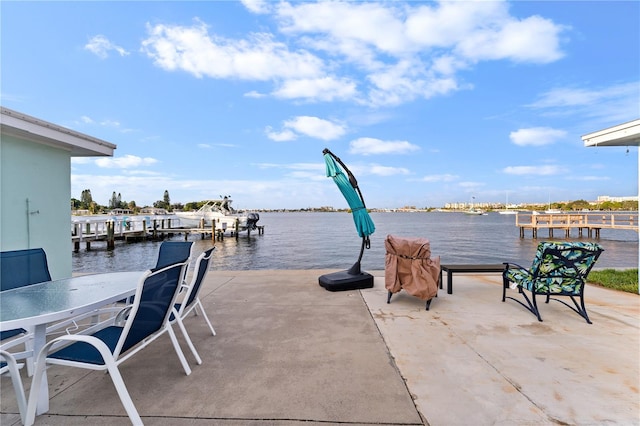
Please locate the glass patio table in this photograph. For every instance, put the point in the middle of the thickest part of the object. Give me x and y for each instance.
(35, 306)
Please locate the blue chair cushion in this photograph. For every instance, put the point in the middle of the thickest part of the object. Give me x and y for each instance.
(10, 333)
(84, 352)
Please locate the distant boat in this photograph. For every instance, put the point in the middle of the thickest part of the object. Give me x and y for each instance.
(120, 212)
(222, 213)
(549, 210)
(506, 207)
(474, 211)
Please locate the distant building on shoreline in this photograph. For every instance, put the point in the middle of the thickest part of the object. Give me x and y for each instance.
(599, 200)
(604, 198)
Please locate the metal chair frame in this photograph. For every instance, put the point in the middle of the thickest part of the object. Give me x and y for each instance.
(191, 301)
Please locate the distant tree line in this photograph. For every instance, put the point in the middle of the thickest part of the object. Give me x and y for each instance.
(605, 205)
(86, 202)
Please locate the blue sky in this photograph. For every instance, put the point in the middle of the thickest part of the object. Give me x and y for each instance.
(426, 102)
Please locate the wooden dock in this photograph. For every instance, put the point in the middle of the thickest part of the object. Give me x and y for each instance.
(140, 228)
(591, 223)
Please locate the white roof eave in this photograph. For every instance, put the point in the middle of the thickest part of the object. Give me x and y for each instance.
(626, 134)
(26, 127)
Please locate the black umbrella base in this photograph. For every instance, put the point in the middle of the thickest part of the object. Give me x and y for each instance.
(343, 280)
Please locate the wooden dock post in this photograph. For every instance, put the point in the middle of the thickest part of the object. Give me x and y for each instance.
(111, 242)
(201, 227)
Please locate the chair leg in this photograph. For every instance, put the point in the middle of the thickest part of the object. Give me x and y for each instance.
(389, 297)
(428, 304)
(186, 337)
(505, 284)
(535, 310)
(531, 304)
(204, 314)
(580, 308)
(125, 398)
(584, 309)
(36, 384)
(16, 381)
(178, 350)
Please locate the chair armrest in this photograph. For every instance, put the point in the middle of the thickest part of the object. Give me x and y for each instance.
(511, 265)
(121, 317)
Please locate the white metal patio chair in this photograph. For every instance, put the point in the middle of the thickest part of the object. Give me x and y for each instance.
(191, 301)
(144, 321)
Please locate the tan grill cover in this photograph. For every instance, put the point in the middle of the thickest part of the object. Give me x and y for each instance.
(409, 266)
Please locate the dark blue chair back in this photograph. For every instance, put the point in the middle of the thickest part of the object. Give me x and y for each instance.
(154, 304)
(173, 252)
(19, 268)
(202, 267)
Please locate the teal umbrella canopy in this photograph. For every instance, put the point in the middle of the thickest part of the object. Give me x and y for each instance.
(351, 192)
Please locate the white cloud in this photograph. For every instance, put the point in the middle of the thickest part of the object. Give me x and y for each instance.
(320, 166)
(546, 170)
(439, 178)
(376, 169)
(304, 171)
(371, 146)
(282, 136)
(309, 126)
(602, 106)
(373, 53)
(204, 146)
(571, 97)
(536, 136)
(316, 127)
(471, 185)
(81, 160)
(589, 178)
(256, 6)
(370, 23)
(124, 162)
(101, 46)
(258, 58)
(320, 89)
(533, 39)
(144, 190)
(254, 94)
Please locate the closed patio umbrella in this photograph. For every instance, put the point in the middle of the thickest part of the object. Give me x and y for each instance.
(351, 192)
(354, 278)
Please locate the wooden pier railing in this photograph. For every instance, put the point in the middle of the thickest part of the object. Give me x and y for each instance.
(592, 223)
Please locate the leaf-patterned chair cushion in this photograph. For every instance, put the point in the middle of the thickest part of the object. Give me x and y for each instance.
(558, 268)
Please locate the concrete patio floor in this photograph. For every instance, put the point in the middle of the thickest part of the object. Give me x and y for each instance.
(288, 352)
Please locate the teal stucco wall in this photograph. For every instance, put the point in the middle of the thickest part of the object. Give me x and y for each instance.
(35, 193)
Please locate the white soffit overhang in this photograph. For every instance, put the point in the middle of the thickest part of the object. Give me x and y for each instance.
(23, 126)
(626, 134)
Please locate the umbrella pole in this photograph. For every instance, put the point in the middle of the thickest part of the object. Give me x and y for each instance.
(355, 269)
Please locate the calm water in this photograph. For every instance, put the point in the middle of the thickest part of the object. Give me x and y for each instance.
(330, 241)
